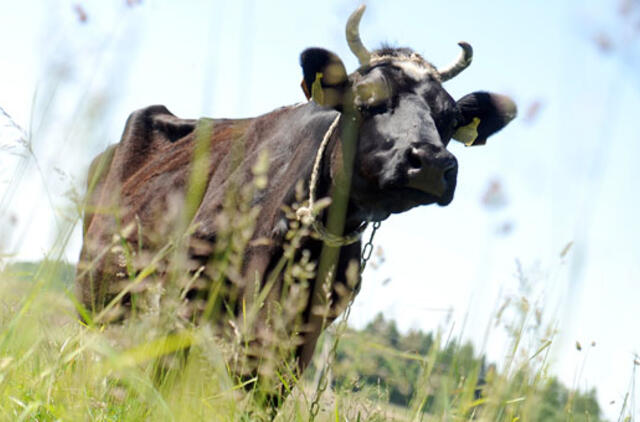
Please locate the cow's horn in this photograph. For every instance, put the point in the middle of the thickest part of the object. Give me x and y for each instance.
(353, 36)
(463, 61)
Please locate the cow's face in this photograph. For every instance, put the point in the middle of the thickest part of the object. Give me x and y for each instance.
(402, 160)
(406, 122)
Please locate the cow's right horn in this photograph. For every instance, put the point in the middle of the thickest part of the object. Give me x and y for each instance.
(353, 37)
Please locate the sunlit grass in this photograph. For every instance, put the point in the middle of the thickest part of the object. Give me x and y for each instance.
(54, 367)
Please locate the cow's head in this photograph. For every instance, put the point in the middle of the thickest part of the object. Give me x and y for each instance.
(407, 120)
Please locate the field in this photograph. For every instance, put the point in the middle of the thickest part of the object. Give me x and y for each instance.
(53, 367)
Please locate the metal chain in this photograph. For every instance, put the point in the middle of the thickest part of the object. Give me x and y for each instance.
(323, 382)
(367, 249)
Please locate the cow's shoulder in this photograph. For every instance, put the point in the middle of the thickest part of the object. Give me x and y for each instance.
(147, 131)
(157, 120)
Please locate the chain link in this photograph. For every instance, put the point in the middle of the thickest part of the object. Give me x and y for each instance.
(367, 249)
(323, 382)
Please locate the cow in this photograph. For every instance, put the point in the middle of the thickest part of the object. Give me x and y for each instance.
(175, 196)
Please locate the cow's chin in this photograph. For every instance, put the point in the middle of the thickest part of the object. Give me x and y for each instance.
(396, 201)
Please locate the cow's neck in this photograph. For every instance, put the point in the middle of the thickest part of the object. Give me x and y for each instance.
(309, 123)
(328, 185)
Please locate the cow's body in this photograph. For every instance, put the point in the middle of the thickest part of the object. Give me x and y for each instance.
(142, 181)
(141, 200)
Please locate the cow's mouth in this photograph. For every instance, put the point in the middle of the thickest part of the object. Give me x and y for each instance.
(427, 198)
(396, 195)
(434, 184)
(399, 200)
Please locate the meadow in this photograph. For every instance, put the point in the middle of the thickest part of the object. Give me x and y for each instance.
(55, 367)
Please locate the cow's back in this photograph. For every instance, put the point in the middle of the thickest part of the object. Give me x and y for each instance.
(131, 186)
(137, 188)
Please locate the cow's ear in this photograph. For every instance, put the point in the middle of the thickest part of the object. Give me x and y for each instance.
(483, 114)
(325, 77)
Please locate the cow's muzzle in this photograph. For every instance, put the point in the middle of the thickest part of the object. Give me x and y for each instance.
(431, 173)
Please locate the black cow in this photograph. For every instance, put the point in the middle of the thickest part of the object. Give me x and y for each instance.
(378, 137)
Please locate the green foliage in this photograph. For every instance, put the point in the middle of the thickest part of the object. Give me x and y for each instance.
(379, 356)
(52, 367)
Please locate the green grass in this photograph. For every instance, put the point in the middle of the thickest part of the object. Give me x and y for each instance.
(53, 367)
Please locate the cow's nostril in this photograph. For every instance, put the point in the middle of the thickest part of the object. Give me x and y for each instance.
(414, 159)
(450, 173)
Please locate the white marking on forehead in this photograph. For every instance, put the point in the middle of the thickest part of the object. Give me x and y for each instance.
(413, 66)
(413, 70)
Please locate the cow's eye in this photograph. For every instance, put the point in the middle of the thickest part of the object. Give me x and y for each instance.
(374, 109)
(373, 94)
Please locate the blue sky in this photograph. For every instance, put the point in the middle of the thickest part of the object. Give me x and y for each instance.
(566, 175)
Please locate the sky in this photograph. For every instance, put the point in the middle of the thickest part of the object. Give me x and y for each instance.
(563, 173)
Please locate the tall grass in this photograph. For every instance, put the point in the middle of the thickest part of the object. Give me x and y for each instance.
(54, 367)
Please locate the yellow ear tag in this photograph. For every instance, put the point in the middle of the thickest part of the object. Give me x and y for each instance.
(316, 89)
(469, 133)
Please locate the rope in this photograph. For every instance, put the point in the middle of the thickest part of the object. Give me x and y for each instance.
(307, 214)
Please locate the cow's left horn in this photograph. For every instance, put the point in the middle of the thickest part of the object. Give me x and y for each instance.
(463, 61)
(353, 36)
